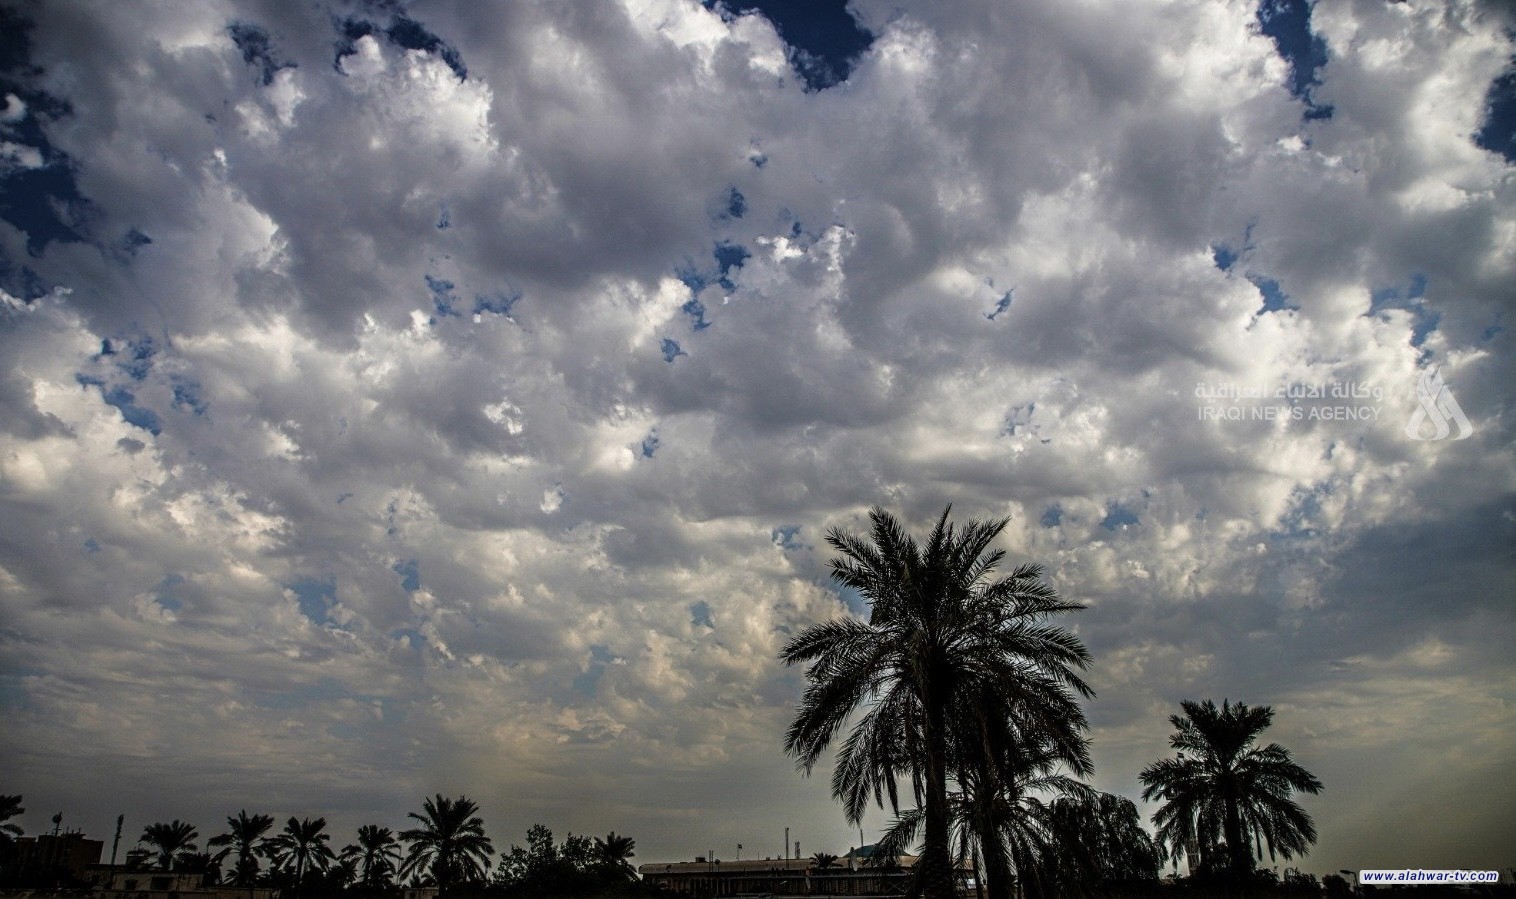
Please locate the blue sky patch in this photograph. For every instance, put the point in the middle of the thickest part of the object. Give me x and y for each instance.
(500, 303)
(187, 396)
(736, 204)
(1412, 299)
(403, 32)
(442, 295)
(1117, 518)
(1274, 297)
(44, 203)
(700, 614)
(696, 310)
(1498, 132)
(588, 682)
(1288, 22)
(135, 415)
(822, 39)
(410, 575)
(670, 349)
(729, 256)
(1002, 305)
(1052, 517)
(787, 537)
(316, 598)
(257, 50)
(650, 444)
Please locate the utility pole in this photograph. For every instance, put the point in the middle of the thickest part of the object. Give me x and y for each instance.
(786, 843)
(120, 819)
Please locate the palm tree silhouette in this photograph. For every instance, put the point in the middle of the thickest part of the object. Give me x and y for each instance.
(10, 807)
(615, 853)
(1007, 824)
(376, 854)
(942, 640)
(244, 837)
(1223, 788)
(824, 860)
(302, 845)
(450, 843)
(169, 839)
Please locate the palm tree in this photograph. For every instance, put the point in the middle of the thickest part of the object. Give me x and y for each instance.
(450, 842)
(377, 855)
(244, 837)
(170, 840)
(302, 845)
(941, 639)
(10, 807)
(615, 853)
(1223, 788)
(824, 860)
(1005, 824)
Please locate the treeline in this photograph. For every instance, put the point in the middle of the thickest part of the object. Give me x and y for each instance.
(448, 849)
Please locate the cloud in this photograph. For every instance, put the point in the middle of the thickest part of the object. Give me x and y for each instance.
(419, 409)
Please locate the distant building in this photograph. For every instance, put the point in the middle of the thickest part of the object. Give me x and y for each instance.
(68, 854)
(121, 883)
(851, 875)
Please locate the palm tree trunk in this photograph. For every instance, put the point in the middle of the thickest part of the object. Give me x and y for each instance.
(934, 870)
(1239, 857)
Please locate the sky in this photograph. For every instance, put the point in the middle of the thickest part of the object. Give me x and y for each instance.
(401, 399)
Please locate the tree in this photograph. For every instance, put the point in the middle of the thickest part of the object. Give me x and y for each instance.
(941, 639)
(376, 855)
(1101, 843)
(301, 846)
(169, 840)
(1008, 826)
(450, 843)
(615, 854)
(244, 837)
(1221, 788)
(824, 860)
(10, 807)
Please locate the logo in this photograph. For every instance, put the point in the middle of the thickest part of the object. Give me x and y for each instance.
(1435, 404)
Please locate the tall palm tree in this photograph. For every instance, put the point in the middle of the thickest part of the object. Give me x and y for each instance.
(615, 854)
(450, 842)
(941, 639)
(169, 840)
(376, 854)
(302, 847)
(244, 837)
(1221, 787)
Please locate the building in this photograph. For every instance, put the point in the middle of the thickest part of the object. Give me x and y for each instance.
(66, 855)
(849, 876)
(122, 883)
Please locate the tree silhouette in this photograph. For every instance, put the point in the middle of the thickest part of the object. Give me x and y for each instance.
(942, 640)
(824, 860)
(450, 843)
(1221, 787)
(615, 854)
(169, 840)
(301, 848)
(244, 838)
(376, 855)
